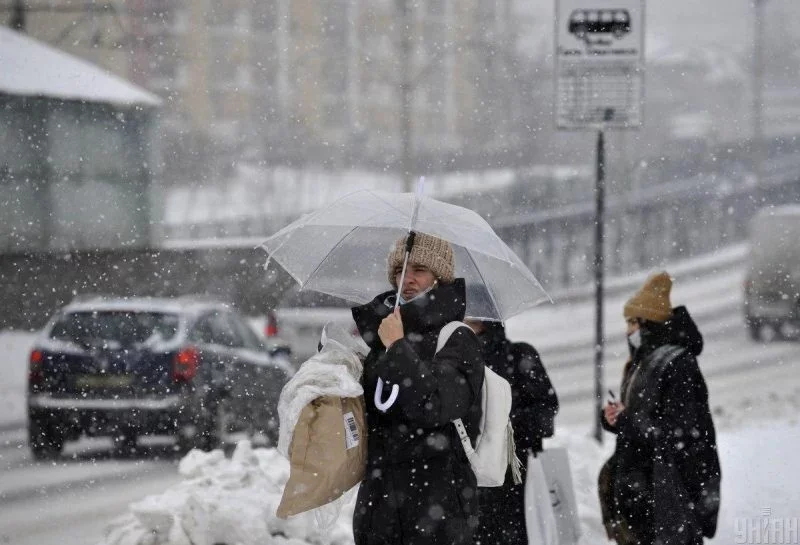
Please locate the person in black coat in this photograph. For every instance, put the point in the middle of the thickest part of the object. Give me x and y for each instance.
(419, 487)
(662, 485)
(533, 410)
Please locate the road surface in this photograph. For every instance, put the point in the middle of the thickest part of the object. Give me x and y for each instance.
(70, 501)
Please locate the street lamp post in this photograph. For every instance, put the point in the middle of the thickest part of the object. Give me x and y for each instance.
(409, 79)
(17, 21)
(406, 138)
(758, 74)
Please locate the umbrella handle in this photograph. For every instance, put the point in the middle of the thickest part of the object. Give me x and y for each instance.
(381, 405)
(409, 246)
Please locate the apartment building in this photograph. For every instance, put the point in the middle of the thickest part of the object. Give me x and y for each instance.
(297, 80)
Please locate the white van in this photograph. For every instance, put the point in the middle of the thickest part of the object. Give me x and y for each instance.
(772, 285)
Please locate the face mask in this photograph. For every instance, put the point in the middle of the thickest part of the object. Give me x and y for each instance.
(635, 341)
(417, 296)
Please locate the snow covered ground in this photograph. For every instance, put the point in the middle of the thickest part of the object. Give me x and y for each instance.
(15, 347)
(755, 395)
(233, 500)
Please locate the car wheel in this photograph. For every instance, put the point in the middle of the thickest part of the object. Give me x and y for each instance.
(209, 429)
(767, 333)
(213, 425)
(45, 439)
(754, 329)
(268, 429)
(187, 439)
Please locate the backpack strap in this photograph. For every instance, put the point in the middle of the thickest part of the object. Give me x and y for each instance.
(512, 460)
(446, 332)
(661, 357)
(444, 336)
(462, 434)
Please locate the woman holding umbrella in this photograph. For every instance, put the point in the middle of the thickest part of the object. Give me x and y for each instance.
(419, 487)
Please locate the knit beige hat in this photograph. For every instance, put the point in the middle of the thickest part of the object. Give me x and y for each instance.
(429, 251)
(651, 302)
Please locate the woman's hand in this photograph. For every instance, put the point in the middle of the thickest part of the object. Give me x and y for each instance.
(611, 412)
(391, 329)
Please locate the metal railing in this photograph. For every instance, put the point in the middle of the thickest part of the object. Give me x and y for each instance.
(662, 222)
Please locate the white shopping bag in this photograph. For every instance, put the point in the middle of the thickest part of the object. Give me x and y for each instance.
(562, 494)
(540, 520)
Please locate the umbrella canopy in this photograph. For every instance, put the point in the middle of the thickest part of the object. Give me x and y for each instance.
(342, 249)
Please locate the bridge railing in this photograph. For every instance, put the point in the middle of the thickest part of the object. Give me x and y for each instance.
(646, 227)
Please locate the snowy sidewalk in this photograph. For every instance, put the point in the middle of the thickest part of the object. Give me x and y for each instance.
(233, 501)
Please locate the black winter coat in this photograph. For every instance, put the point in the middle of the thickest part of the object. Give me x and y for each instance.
(665, 473)
(533, 410)
(419, 487)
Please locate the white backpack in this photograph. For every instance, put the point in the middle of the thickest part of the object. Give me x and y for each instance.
(494, 448)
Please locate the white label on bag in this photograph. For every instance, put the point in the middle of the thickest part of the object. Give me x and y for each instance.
(351, 436)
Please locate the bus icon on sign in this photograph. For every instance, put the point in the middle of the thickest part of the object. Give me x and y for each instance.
(583, 22)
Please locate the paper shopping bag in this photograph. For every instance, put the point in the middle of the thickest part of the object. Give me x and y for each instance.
(328, 454)
(555, 463)
(540, 521)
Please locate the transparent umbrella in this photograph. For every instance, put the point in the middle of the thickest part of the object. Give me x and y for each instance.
(342, 249)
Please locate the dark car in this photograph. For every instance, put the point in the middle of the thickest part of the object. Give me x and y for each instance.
(599, 21)
(128, 367)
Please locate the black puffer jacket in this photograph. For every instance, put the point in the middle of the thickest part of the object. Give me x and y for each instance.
(434, 390)
(533, 410)
(419, 487)
(665, 472)
(535, 403)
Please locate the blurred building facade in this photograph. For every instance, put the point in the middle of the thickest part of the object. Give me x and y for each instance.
(298, 81)
(304, 82)
(77, 151)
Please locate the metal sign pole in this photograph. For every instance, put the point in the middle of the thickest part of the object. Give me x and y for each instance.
(600, 195)
(599, 58)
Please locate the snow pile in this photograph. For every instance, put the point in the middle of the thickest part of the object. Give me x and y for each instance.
(15, 346)
(225, 500)
(233, 501)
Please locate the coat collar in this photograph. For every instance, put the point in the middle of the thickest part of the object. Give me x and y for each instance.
(680, 329)
(430, 312)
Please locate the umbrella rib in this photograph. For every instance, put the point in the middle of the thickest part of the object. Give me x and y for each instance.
(365, 208)
(488, 287)
(387, 203)
(378, 213)
(458, 210)
(324, 259)
(318, 212)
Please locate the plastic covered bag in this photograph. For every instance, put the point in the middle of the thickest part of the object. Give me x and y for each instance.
(323, 425)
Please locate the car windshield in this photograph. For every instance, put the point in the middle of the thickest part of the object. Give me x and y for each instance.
(115, 328)
(774, 239)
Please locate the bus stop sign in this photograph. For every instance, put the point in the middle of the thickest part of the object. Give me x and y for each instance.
(599, 63)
